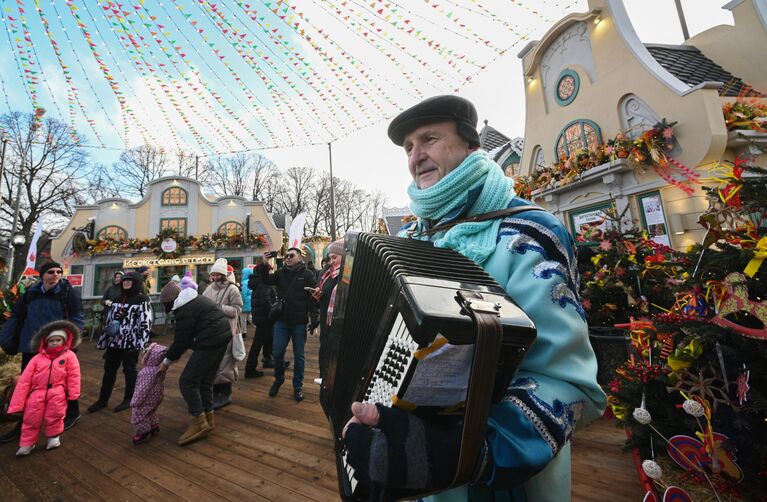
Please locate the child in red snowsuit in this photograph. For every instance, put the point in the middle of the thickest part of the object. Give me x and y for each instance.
(50, 379)
(148, 394)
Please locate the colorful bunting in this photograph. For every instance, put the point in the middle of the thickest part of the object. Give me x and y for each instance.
(233, 76)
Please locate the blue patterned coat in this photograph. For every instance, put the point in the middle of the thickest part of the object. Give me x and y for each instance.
(555, 390)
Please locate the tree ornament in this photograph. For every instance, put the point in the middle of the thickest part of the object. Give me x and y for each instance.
(743, 386)
(692, 456)
(641, 414)
(701, 384)
(676, 494)
(652, 469)
(693, 408)
(737, 301)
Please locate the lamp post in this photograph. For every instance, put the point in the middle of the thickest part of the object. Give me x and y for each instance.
(247, 228)
(332, 195)
(17, 242)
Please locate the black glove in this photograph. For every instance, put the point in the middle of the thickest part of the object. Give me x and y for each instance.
(403, 452)
(314, 324)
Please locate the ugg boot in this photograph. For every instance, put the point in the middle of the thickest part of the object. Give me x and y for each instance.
(196, 430)
(209, 419)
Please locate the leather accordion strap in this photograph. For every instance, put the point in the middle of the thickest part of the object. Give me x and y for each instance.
(487, 349)
(501, 213)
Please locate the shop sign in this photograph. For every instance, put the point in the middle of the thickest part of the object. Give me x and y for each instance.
(590, 224)
(167, 262)
(75, 280)
(169, 245)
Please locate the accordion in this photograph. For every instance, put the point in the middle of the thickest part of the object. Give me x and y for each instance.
(424, 329)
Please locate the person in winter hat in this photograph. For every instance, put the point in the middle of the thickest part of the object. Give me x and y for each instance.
(204, 328)
(325, 294)
(51, 299)
(114, 290)
(146, 285)
(49, 380)
(224, 293)
(186, 283)
(245, 293)
(261, 299)
(148, 394)
(128, 323)
(169, 293)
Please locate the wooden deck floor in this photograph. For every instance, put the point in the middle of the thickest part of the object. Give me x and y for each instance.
(262, 449)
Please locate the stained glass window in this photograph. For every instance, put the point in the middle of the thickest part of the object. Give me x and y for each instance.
(174, 196)
(578, 135)
(112, 232)
(177, 224)
(231, 228)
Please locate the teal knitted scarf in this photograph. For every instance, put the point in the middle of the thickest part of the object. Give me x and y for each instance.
(473, 240)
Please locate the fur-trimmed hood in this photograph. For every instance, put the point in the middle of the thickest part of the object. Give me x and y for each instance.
(73, 334)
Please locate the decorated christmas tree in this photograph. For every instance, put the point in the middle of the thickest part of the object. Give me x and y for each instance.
(693, 395)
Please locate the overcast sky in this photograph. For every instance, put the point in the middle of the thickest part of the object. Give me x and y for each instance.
(369, 159)
(365, 157)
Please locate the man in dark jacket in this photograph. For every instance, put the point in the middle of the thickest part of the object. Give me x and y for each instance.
(261, 300)
(204, 328)
(114, 291)
(51, 299)
(293, 283)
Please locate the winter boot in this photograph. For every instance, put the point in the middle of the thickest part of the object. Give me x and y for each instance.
(53, 442)
(209, 419)
(197, 429)
(73, 414)
(98, 405)
(122, 406)
(23, 451)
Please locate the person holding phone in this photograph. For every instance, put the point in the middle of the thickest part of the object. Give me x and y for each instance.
(290, 326)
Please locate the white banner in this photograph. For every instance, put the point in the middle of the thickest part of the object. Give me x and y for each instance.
(296, 232)
(32, 253)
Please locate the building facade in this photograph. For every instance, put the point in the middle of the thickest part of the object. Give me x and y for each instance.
(591, 78)
(173, 229)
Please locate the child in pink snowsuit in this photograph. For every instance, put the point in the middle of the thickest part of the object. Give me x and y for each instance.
(50, 379)
(148, 394)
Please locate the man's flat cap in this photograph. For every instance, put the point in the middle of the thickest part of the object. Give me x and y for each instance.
(433, 110)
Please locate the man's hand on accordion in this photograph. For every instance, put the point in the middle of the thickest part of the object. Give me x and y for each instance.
(395, 449)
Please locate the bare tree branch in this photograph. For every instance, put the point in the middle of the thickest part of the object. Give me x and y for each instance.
(139, 166)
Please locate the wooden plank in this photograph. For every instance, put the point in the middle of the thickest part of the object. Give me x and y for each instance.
(262, 449)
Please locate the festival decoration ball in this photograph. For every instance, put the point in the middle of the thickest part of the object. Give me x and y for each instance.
(693, 408)
(642, 416)
(652, 469)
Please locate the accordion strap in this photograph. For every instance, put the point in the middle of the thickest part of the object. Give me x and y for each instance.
(501, 213)
(487, 349)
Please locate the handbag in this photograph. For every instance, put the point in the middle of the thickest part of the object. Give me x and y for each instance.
(112, 329)
(275, 311)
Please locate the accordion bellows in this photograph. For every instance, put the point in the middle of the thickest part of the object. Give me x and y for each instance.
(401, 337)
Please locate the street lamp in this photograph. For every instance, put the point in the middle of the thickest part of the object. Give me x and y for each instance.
(17, 241)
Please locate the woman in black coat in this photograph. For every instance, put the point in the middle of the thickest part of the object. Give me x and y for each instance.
(204, 328)
(261, 300)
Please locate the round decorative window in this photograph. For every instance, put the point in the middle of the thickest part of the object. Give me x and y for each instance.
(567, 87)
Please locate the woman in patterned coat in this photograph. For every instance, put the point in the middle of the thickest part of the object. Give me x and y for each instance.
(131, 320)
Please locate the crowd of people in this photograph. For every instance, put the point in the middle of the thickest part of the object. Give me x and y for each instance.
(283, 305)
(462, 201)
